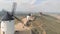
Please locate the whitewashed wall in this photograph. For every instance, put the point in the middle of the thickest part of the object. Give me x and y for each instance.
(7, 27)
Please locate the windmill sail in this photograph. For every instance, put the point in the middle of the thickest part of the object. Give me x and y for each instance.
(14, 8)
(13, 11)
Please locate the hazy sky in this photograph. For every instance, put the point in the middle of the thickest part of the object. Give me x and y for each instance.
(32, 5)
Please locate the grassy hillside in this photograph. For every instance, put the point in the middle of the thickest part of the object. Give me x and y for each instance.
(50, 24)
(45, 24)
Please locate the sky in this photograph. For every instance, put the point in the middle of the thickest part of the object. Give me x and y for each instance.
(32, 5)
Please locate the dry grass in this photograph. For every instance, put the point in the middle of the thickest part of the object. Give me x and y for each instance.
(42, 25)
(55, 15)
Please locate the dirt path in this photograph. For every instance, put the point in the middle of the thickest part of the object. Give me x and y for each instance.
(21, 27)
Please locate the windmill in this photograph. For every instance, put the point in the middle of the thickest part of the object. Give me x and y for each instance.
(7, 22)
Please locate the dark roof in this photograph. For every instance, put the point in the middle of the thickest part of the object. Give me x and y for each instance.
(7, 17)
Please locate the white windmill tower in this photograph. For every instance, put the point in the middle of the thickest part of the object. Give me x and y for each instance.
(7, 22)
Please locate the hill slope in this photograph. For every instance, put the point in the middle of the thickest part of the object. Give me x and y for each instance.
(45, 24)
(50, 24)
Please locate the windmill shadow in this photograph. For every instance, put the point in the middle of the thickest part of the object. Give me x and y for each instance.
(17, 32)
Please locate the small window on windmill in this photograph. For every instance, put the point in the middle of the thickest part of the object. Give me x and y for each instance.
(3, 32)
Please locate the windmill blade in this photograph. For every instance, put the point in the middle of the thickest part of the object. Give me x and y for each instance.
(13, 11)
(14, 8)
(18, 19)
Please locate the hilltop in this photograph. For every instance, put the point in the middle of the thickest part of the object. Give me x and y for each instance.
(45, 24)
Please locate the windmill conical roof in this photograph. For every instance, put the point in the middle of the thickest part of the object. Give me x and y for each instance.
(7, 17)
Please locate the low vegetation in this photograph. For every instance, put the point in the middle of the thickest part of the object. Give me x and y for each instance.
(45, 24)
(50, 24)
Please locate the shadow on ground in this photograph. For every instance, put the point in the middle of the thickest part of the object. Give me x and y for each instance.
(22, 32)
(17, 32)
